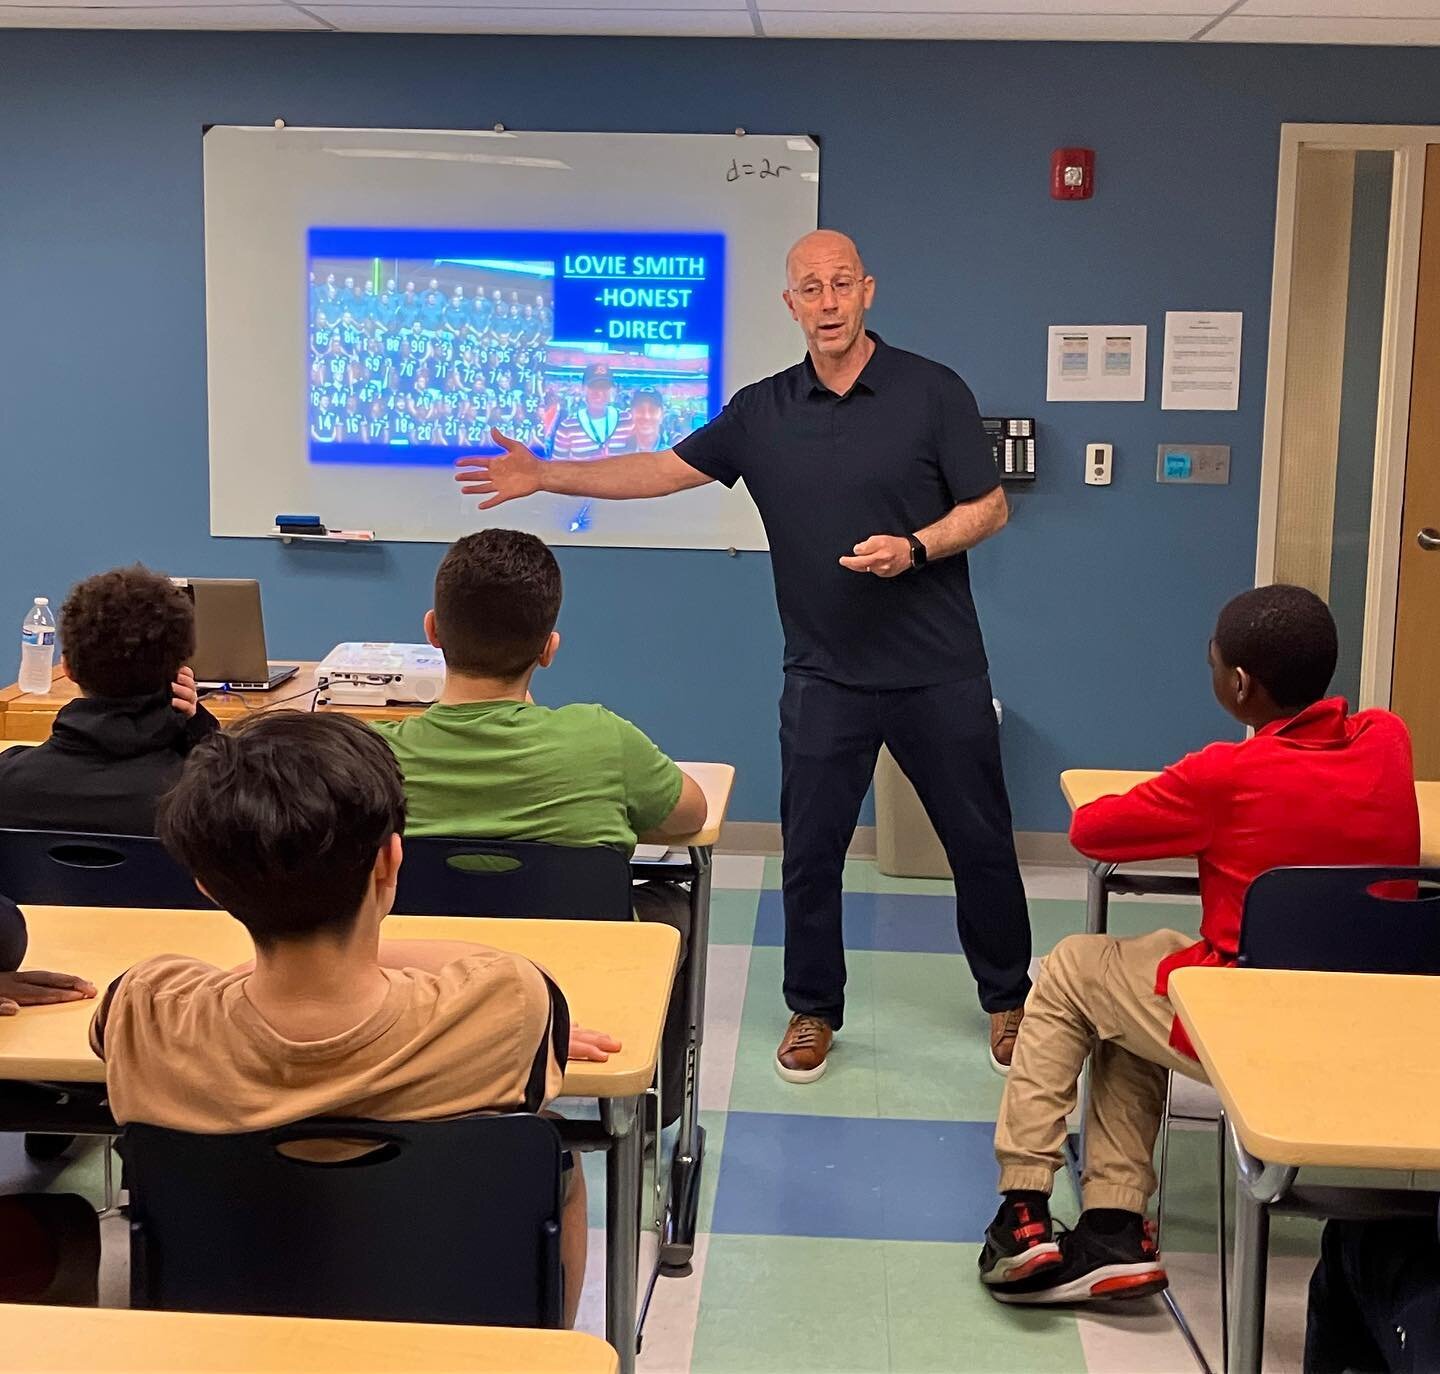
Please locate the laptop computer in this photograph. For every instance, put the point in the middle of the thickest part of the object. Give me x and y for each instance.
(230, 635)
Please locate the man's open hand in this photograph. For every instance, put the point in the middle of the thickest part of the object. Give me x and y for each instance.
(499, 477)
(885, 555)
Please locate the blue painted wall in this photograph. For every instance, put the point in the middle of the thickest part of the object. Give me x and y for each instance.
(1096, 603)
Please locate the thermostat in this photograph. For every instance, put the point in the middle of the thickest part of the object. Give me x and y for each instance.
(1098, 460)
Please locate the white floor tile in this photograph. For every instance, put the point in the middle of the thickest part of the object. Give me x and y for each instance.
(674, 1312)
(1133, 1338)
(727, 974)
(1053, 881)
(114, 1261)
(670, 1324)
(1141, 1337)
(738, 870)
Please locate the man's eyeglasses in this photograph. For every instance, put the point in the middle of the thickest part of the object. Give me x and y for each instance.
(841, 286)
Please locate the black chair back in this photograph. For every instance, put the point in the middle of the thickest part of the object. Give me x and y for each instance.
(444, 1221)
(445, 877)
(70, 868)
(1332, 920)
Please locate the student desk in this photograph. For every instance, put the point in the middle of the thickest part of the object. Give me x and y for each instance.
(1304, 1086)
(1082, 785)
(61, 1340)
(26, 718)
(616, 977)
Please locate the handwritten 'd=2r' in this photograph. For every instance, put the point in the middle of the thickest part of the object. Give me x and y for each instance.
(738, 169)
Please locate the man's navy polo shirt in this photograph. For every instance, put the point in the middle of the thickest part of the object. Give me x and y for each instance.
(896, 453)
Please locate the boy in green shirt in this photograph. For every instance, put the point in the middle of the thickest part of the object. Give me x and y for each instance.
(486, 762)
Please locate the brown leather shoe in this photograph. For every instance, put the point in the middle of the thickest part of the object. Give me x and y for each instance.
(1004, 1031)
(801, 1056)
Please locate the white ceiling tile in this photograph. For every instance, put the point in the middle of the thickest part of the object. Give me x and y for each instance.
(1357, 9)
(601, 6)
(158, 16)
(867, 24)
(430, 18)
(1240, 28)
(107, 5)
(1141, 9)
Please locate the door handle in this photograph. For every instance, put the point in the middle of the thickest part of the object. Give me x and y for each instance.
(1428, 539)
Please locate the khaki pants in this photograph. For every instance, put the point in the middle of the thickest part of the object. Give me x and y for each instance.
(1095, 996)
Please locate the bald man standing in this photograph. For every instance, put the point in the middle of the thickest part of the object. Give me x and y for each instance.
(873, 476)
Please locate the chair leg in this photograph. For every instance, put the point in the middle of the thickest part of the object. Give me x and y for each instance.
(1220, 1150)
(1164, 1163)
(107, 1164)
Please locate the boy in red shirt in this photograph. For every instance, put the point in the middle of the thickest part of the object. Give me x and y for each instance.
(1315, 785)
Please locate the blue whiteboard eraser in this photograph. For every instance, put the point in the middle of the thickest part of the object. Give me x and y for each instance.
(297, 519)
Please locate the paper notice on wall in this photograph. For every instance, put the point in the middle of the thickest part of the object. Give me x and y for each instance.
(1096, 362)
(1202, 360)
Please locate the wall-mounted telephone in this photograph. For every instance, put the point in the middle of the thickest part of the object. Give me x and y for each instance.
(1012, 440)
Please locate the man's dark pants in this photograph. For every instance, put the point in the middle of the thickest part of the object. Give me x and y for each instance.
(947, 743)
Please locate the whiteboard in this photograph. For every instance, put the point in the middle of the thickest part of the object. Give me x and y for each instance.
(284, 206)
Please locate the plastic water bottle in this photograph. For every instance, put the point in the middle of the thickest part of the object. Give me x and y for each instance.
(37, 648)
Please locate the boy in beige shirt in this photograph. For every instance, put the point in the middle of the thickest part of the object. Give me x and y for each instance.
(292, 823)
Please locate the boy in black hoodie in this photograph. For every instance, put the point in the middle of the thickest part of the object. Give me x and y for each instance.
(125, 637)
(112, 753)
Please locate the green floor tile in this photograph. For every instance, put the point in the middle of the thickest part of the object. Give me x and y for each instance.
(732, 915)
(932, 1047)
(786, 1305)
(849, 1085)
(1051, 919)
(942, 1320)
(82, 1170)
(861, 875)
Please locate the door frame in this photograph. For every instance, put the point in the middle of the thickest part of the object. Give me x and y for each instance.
(1408, 143)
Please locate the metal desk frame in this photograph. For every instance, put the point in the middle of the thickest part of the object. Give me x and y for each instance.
(682, 1202)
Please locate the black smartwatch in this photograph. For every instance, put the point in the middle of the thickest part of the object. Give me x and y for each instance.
(917, 553)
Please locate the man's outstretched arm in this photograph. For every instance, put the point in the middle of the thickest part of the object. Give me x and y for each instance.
(517, 472)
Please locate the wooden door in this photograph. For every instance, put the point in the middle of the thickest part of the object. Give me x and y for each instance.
(1415, 692)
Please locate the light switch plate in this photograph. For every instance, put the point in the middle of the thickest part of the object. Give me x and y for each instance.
(1196, 464)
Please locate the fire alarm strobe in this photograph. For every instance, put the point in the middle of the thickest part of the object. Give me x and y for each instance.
(1072, 173)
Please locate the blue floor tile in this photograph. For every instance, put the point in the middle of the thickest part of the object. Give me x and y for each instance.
(864, 1179)
(896, 921)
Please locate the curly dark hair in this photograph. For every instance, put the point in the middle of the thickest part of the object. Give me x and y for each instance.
(1284, 637)
(497, 597)
(127, 632)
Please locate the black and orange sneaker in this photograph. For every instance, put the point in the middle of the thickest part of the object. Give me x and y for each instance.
(1096, 1265)
(1020, 1244)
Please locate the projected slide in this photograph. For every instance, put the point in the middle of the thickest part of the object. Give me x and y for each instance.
(581, 345)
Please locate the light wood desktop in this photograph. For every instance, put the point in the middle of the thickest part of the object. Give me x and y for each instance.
(1303, 1062)
(26, 718)
(615, 976)
(63, 1340)
(1333, 1070)
(1083, 785)
(29, 716)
